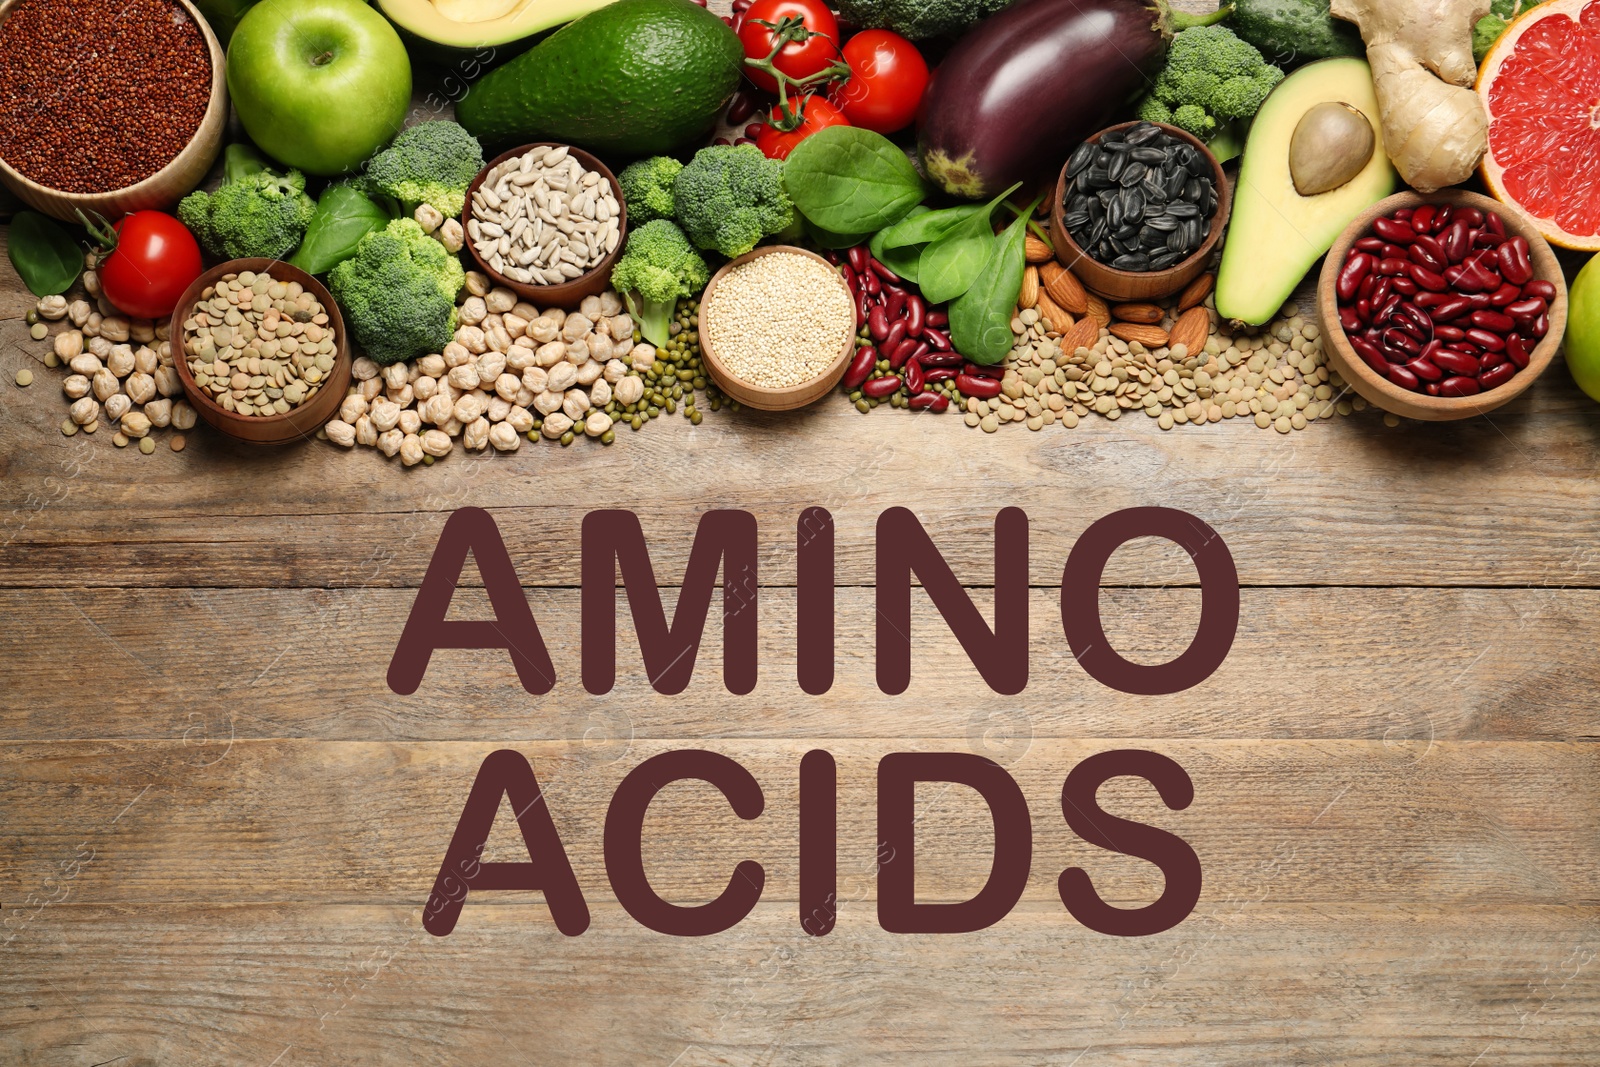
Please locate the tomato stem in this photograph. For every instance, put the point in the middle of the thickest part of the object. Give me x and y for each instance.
(101, 231)
(792, 29)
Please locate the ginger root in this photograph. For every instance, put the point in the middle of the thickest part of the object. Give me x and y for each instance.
(1434, 126)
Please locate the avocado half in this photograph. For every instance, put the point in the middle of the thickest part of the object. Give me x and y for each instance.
(1276, 235)
(484, 31)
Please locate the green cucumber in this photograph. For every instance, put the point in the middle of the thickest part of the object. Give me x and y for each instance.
(1292, 32)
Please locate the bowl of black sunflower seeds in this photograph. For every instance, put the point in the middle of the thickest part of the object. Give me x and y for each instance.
(1139, 209)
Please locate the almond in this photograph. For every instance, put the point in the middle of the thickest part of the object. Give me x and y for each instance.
(1197, 291)
(1192, 330)
(1083, 335)
(1029, 296)
(1036, 251)
(1097, 310)
(1149, 336)
(1060, 320)
(1149, 314)
(1065, 289)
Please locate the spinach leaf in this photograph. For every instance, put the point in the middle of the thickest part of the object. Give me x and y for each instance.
(980, 319)
(919, 229)
(829, 239)
(850, 180)
(903, 259)
(46, 257)
(952, 263)
(344, 216)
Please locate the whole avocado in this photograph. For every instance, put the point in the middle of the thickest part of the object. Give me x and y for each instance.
(635, 78)
(1292, 32)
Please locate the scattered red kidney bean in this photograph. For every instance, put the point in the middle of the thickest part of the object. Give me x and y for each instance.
(982, 388)
(909, 352)
(1442, 301)
(97, 95)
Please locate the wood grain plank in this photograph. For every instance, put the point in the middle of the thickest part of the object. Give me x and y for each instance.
(1319, 507)
(1245, 984)
(367, 822)
(1307, 663)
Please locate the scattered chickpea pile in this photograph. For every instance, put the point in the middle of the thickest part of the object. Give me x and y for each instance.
(516, 372)
(122, 371)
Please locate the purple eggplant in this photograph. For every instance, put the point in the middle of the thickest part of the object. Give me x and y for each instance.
(1027, 84)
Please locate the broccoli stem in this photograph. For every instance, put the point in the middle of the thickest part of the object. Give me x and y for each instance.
(1176, 21)
(653, 316)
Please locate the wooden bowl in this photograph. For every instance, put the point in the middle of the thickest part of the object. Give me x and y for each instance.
(162, 189)
(1384, 393)
(1126, 286)
(297, 424)
(567, 294)
(761, 397)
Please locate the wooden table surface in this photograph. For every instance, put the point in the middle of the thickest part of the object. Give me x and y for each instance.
(218, 825)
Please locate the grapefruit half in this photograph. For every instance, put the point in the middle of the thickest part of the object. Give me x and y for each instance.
(1541, 86)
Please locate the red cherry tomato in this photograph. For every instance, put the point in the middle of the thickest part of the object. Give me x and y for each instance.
(154, 261)
(887, 79)
(797, 59)
(816, 113)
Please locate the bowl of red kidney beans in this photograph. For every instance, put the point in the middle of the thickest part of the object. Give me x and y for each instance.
(1441, 306)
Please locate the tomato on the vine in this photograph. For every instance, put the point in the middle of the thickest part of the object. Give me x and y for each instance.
(796, 59)
(149, 259)
(887, 79)
(815, 114)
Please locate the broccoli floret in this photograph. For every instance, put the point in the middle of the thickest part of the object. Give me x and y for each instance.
(1211, 79)
(1193, 118)
(731, 196)
(429, 163)
(398, 293)
(919, 19)
(258, 214)
(647, 188)
(1492, 25)
(658, 266)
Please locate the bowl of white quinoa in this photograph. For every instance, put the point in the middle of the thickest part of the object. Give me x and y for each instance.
(777, 328)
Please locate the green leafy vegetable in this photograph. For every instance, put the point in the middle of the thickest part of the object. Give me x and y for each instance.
(849, 180)
(46, 257)
(980, 319)
(951, 264)
(343, 217)
(902, 259)
(829, 239)
(919, 228)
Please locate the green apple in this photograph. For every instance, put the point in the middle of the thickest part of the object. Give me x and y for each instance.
(319, 84)
(1583, 328)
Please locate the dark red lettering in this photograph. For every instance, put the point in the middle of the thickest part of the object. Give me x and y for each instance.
(903, 549)
(819, 843)
(898, 775)
(614, 540)
(624, 834)
(1219, 601)
(1171, 853)
(512, 628)
(505, 773)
